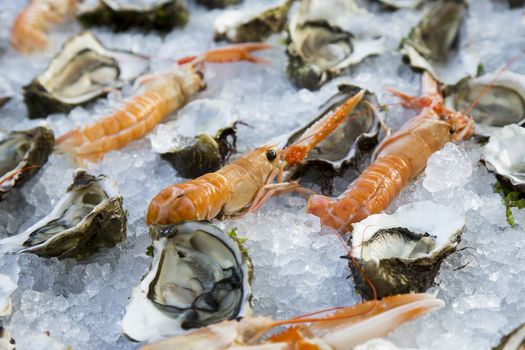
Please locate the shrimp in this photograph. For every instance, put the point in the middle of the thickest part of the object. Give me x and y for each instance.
(162, 94)
(398, 159)
(28, 32)
(343, 328)
(244, 184)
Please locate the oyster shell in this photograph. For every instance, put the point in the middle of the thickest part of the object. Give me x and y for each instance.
(235, 27)
(198, 277)
(82, 71)
(200, 140)
(516, 3)
(502, 104)
(5, 91)
(218, 4)
(7, 287)
(431, 44)
(22, 154)
(90, 216)
(515, 340)
(159, 15)
(402, 3)
(320, 48)
(504, 155)
(402, 252)
(6, 340)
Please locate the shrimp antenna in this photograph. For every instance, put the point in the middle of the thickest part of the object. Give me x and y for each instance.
(19, 171)
(489, 86)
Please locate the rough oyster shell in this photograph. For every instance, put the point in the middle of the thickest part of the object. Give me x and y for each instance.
(22, 154)
(502, 104)
(515, 340)
(7, 287)
(319, 48)
(82, 71)
(6, 340)
(159, 15)
(90, 216)
(218, 4)
(200, 140)
(5, 91)
(402, 252)
(504, 155)
(235, 27)
(198, 277)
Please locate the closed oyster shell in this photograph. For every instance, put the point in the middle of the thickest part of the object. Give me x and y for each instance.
(402, 252)
(22, 154)
(515, 340)
(90, 216)
(81, 72)
(159, 15)
(198, 277)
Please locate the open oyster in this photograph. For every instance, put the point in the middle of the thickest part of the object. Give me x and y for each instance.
(504, 155)
(5, 91)
(22, 154)
(320, 48)
(502, 104)
(402, 252)
(7, 287)
(82, 71)
(236, 27)
(199, 141)
(430, 45)
(218, 4)
(198, 277)
(513, 341)
(122, 15)
(90, 216)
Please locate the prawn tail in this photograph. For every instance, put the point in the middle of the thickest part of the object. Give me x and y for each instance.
(69, 141)
(232, 53)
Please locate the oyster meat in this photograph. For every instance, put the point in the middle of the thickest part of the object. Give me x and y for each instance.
(402, 252)
(504, 155)
(502, 104)
(5, 91)
(320, 48)
(432, 44)
(236, 27)
(90, 216)
(22, 154)
(513, 341)
(198, 277)
(7, 287)
(200, 140)
(82, 71)
(122, 15)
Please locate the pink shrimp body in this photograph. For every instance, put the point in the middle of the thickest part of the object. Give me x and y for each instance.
(29, 30)
(399, 159)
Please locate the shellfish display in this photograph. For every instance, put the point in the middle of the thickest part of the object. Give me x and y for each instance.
(81, 72)
(90, 216)
(198, 276)
(515, 340)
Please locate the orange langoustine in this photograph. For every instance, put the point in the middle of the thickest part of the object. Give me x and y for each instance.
(244, 184)
(29, 30)
(162, 94)
(398, 159)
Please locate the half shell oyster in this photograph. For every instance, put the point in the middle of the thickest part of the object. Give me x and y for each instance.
(198, 277)
(121, 15)
(82, 71)
(402, 252)
(504, 155)
(502, 104)
(90, 216)
(235, 27)
(515, 340)
(320, 48)
(22, 154)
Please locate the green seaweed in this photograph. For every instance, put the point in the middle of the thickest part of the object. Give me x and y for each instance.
(239, 240)
(511, 199)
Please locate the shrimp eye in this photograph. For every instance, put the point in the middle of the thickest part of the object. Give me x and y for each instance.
(271, 155)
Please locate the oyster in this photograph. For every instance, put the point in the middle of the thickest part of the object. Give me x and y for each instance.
(121, 15)
(504, 155)
(402, 252)
(5, 91)
(198, 277)
(90, 216)
(200, 140)
(218, 4)
(235, 27)
(516, 3)
(502, 104)
(431, 44)
(513, 341)
(22, 154)
(7, 287)
(82, 71)
(402, 3)
(320, 48)
(6, 340)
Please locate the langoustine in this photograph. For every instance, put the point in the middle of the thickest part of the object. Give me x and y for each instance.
(29, 30)
(343, 329)
(245, 183)
(162, 94)
(398, 159)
